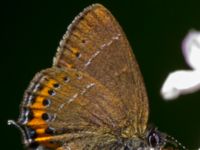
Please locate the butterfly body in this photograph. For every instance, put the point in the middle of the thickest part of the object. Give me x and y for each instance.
(93, 97)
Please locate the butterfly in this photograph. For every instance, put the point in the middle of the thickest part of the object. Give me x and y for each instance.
(93, 97)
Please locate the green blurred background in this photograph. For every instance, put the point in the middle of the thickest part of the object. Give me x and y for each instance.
(31, 31)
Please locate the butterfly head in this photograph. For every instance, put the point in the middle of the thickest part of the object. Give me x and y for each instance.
(162, 141)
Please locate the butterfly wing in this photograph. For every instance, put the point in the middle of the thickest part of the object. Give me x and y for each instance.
(72, 107)
(94, 93)
(96, 44)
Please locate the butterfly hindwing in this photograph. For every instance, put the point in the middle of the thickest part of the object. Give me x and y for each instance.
(70, 105)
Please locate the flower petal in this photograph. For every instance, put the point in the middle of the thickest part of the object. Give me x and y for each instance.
(180, 82)
(191, 49)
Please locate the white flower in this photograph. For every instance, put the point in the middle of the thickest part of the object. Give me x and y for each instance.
(185, 81)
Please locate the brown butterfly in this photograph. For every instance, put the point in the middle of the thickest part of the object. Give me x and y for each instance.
(93, 97)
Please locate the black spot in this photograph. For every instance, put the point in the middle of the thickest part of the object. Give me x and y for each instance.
(83, 41)
(51, 92)
(50, 131)
(29, 114)
(66, 79)
(46, 102)
(31, 133)
(32, 99)
(78, 54)
(56, 85)
(39, 87)
(45, 116)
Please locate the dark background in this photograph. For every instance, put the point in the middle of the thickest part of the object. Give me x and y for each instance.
(31, 31)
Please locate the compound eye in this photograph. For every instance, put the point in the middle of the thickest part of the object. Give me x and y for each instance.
(154, 139)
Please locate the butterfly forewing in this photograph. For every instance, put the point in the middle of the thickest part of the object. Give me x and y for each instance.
(96, 44)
